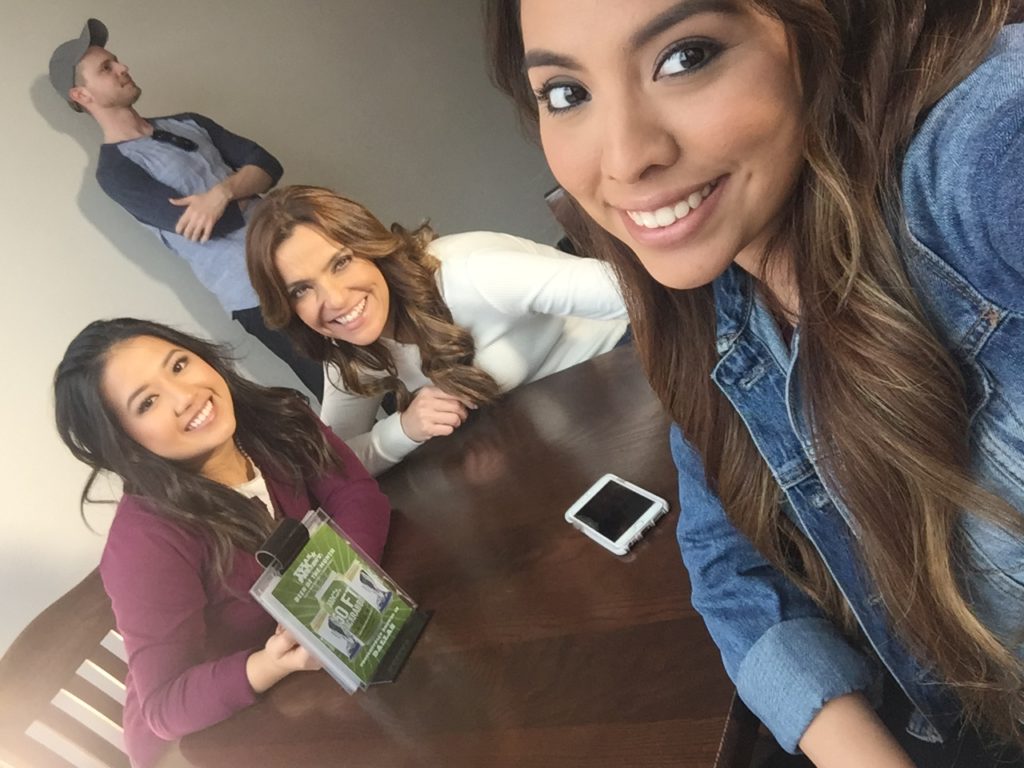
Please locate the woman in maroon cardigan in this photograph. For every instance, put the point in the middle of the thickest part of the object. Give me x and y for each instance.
(209, 461)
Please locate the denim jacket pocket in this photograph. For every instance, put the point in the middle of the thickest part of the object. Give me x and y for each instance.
(962, 318)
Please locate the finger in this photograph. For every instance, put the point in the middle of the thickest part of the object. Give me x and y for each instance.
(179, 200)
(447, 404)
(440, 394)
(454, 408)
(192, 230)
(441, 430)
(185, 223)
(275, 647)
(446, 419)
(302, 659)
(207, 228)
(454, 398)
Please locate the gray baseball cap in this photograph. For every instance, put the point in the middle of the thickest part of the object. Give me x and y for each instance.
(67, 55)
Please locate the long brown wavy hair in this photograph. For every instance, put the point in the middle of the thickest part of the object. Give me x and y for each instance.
(274, 425)
(884, 398)
(418, 312)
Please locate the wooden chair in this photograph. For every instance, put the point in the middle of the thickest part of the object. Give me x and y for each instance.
(62, 686)
(739, 737)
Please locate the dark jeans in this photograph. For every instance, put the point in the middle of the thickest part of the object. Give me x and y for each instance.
(309, 371)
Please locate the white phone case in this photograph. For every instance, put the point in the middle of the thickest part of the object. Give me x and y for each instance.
(620, 546)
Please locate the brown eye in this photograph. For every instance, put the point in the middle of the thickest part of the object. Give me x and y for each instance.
(560, 97)
(685, 57)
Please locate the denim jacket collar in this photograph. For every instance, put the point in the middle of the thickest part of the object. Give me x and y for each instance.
(734, 299)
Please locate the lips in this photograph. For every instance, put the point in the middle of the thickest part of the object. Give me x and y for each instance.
(667, 215)
(353, 314)
(644, 227)
(202, 417)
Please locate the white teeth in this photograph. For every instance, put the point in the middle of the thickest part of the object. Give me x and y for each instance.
(663, 217)
(200, 418)
(355, 312)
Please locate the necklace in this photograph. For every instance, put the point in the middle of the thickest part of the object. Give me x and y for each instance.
(250, 465)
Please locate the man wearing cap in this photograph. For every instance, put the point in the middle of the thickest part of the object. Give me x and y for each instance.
(184, 177)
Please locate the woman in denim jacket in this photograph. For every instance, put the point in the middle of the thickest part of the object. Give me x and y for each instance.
(815, 209)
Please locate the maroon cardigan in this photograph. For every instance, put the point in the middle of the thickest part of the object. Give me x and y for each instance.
(187, 634)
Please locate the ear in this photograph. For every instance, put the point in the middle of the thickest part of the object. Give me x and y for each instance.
(79, 95)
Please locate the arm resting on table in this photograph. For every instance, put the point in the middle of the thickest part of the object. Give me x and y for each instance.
(786, 659)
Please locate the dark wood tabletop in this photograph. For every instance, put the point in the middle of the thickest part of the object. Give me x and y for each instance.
(544, 649)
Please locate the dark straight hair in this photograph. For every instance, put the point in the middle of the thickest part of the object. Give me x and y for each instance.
(274, 425)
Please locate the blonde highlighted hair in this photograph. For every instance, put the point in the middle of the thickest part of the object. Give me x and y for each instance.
(884, 398)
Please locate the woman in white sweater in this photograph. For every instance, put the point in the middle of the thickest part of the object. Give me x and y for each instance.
(445, 324)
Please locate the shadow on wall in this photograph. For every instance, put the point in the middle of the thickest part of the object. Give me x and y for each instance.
(129, 238)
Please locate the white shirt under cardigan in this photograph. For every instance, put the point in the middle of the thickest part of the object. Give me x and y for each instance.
(532, 310)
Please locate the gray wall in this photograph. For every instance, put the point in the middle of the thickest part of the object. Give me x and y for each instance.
(386, 101)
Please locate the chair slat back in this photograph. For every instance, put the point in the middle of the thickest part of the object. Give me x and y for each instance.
(62, 686)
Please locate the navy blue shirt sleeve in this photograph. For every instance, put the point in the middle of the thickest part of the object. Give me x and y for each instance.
(237, 150)
(147, 199)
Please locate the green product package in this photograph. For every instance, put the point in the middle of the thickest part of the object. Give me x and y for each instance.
(344, 600)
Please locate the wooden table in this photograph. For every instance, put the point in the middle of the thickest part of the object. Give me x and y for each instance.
(544, 649)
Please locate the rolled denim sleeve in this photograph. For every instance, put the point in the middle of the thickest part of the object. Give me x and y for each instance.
(786, 659)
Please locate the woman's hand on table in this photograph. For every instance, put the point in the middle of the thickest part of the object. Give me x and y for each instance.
(280, 656)
(433, 413)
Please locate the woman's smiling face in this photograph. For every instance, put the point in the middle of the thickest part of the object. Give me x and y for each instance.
(676, 125)
(169, 400)
(333, 291)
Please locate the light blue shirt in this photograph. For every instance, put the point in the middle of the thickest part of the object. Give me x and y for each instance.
(219, 263)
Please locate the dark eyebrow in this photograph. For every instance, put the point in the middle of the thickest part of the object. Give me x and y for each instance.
(141, 389)
(540, 57)
(665, 20)
(678, 13)
(289, 287)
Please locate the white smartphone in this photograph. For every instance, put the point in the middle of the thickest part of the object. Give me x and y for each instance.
(615, 513)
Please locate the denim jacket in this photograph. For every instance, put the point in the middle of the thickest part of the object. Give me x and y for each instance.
(963, 196)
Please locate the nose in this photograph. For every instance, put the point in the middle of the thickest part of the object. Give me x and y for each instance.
(180, 395)
(636, 142)
(332, 298)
